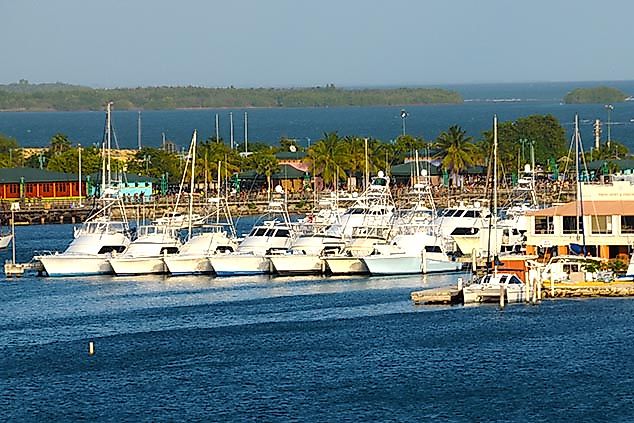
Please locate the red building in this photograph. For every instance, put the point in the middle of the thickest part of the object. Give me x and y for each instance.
(28, 183)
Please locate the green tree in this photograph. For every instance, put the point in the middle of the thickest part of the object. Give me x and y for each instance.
(59, 144)
(327, 157)
(155, 162)
(217, 154)
(265, 163)
(457, 151)
(10, 153)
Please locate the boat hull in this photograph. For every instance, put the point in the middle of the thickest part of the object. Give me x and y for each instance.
(75, 265)
(346, 266)
(398, 264)
(474, 294)
(131, 266)
(297, 264)
(237, 264)
(188, 265)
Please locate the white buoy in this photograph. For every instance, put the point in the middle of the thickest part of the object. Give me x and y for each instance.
(91, 348)
(460, 284)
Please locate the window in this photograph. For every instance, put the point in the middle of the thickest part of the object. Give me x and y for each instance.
(627, 224)
(544, 225)
(570, 224)
(601, 224)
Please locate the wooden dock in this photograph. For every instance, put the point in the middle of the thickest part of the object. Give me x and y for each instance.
(442, 295)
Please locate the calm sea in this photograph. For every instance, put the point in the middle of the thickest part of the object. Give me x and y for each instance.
(300, 349)
(508, 101)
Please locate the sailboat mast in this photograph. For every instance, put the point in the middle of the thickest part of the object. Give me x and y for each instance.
(108, 144)
(577, 178)
(246, 134)
(495, 192)
(192, 151)
(139, 130)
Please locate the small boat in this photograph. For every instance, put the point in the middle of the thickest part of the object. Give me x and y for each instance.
(5, 240)
(489, 288)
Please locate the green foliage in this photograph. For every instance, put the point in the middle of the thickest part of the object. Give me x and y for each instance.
(598, 95)
(457, 150)
(327, 158)
(10, 154)
(59, 144)
(543, 131)
(155, 162)
(66, 97)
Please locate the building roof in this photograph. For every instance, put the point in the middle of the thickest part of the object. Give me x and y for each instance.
(590, 208)
(15, 175)
(409, 169)
(285, 171)
(622, 164)
(289, 155)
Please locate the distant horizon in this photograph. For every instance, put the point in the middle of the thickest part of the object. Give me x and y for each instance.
(353, 86)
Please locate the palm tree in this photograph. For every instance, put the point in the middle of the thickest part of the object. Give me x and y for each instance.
(457, 151)
(217, 153)
(265, 163)
(327, 158)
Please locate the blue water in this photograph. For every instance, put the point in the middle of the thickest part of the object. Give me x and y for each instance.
(301, 349)
(309, 124)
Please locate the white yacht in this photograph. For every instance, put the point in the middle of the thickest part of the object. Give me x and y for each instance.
(105, 231)
(145, 254)
(89, 251)
(316, 239)
(368, 222)
(251, 255)
(409, 253)
(179, 220)
(414, 246)
(215, 237)
(489, 287)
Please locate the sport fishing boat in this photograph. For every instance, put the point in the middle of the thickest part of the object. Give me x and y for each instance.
(145, 254)
(252, 254)
(218, 236)
(105, 231)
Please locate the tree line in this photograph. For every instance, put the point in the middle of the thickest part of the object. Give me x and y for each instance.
(334, 157)
(62, 97)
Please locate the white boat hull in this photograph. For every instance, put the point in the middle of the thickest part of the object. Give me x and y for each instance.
(401, 264)
(129, 266)
(75, 264)
(240, 264)
(474, 294)
(188, 265)
(295, 264)
(5, 240)
(346, 265)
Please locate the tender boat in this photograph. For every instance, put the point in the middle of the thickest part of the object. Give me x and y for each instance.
(488, 289)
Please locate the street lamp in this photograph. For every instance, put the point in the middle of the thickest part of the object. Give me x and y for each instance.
(609, 108)
(404, 116)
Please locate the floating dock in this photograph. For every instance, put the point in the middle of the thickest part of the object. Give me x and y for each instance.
(443, 295)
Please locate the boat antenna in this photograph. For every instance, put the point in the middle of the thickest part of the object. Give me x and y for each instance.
(580, 212)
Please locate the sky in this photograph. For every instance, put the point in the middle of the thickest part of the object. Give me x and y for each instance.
(297, 43)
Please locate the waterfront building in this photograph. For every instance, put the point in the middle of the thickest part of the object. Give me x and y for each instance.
(22, 183)
(603, 221)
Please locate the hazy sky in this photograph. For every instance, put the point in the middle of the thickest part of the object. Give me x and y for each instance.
(282, 43)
